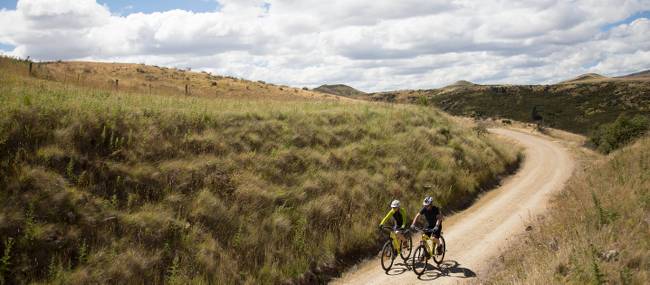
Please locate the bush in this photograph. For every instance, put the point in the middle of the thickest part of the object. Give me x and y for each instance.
(609, 137)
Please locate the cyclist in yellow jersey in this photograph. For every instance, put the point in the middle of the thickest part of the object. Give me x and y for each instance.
(399, 217)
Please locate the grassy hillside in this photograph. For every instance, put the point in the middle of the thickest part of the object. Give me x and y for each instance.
(104, 186)
(579, 106)
(339, 89)
(145, 79)
(598, 231)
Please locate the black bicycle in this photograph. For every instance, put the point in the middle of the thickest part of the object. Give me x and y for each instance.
(388, 251)
(425, 251)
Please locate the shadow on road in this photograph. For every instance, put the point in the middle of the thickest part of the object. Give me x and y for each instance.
(449, 268)
(398, 268)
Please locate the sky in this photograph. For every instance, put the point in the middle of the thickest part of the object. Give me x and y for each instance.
(372, 45)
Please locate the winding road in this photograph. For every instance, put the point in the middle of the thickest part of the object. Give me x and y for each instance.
(476, 236)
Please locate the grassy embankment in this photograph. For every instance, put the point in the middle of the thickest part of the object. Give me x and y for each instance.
(98, 186)
(597, 232)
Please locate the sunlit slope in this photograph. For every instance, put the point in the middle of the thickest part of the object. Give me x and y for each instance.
(147, 79)
(99, 186)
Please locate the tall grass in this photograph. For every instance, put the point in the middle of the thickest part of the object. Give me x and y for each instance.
(107, 187)
(598, 231)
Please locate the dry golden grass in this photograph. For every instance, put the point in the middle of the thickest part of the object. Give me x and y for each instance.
(146, 79)
(597, 232)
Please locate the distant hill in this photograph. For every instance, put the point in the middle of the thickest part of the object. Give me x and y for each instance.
(460, 83)
(578, 105)
(586, 77)
(642, 74)
(340, 90)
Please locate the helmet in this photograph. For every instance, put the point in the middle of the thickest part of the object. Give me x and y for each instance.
(394, 204)
(427, 201)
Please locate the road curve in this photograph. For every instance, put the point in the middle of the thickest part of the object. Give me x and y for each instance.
(477, 235)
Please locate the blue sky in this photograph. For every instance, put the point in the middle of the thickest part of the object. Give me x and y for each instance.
(642, 14)
(6, 47)
(147, 6)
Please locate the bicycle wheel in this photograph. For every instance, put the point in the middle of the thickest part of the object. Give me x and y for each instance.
(420, 260)
(387, 256)
(407, 246)
(440, 256)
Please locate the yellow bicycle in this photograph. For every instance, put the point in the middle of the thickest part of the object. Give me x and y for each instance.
(426, 250)
(389, 251)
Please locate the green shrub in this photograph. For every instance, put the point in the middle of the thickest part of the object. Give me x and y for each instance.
(611, 136)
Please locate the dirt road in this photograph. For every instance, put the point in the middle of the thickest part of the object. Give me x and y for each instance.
(477, 235)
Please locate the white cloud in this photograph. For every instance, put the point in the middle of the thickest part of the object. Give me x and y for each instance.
(373, 45)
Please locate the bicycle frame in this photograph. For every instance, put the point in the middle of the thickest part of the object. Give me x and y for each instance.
(395, 240)
(424, 241)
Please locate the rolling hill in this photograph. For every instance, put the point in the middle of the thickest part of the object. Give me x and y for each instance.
(580, 105)
(585, 78)
(147, 79)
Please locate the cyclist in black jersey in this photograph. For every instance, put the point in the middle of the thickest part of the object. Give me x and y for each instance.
(434, 220)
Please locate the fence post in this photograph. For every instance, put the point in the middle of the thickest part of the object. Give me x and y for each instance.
(186, 89)
(117, 84)
(30, 68)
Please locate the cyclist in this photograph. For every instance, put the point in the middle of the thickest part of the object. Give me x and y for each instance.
(399, 217)
(434, 221)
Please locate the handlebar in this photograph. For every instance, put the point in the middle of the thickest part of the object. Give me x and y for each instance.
(404, 230)
(424, 230)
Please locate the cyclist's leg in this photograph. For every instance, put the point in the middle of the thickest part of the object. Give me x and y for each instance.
(395, 239)
(401, 235)
(436, 238)
(430, 248)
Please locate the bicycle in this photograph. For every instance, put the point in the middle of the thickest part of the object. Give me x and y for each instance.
(388, 251)
(425, 251)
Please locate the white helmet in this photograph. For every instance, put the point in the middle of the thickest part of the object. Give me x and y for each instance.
(394, 204)
(427, 201)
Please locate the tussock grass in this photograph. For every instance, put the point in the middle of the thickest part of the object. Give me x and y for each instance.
(598, 229)
(98, 186)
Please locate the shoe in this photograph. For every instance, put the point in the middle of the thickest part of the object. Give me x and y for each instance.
(439, 249)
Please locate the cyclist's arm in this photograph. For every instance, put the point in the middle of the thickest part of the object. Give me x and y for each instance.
(388, 216)
(403, 225)
(415, 219)
(439, 221)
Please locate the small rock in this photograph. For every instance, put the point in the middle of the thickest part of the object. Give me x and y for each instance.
(110, 219)
(529, 228)
(553, 245)
(610, 255)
